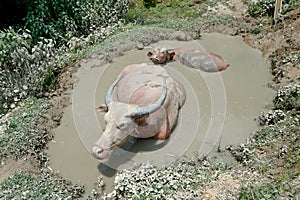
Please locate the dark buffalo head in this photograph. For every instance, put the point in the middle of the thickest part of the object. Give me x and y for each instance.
(161, 56)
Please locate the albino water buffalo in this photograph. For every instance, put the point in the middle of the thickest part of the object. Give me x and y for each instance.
(203, 60)
(147, 103)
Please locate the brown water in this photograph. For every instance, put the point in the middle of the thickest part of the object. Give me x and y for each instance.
(220, 107)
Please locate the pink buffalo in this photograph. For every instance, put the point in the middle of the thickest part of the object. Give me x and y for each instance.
(203, 60)
(147, 103)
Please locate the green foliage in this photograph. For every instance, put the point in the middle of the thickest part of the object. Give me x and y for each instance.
(20, 135)
(266, 7)
(261, 8)
(44, 186)
(150, 3)
(60, 19)
(50, 80)
(14, 46)
(288, 98)
(256, 30)
(149, 182)
(264, 191)
(30, 59)
(178, 15)
(166, 10)
(22, 66)
(292, 4)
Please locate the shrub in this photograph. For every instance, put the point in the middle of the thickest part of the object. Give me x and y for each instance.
(30, 58)
(163, 11)
(62, 19)
(292, 4)
(22, 66)
(20, 135)
(266, 7)
(256, 30)
(288, 98)
(23, 185)
(261, 8)
(263, 191)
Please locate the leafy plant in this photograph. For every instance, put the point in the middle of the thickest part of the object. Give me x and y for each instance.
(263, 191)
(20, 135)
(50, 80)
(23, 185)
(61, 20)
(288, 98)
(30, 59)
(164, 10)
(256, 30)
(292, 4)
(150, 3)
(261, 8)
(22, 65)
(266, 7)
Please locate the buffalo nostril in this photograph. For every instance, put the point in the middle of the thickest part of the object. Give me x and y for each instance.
(100, 151)
(97, 150)
(155, 60)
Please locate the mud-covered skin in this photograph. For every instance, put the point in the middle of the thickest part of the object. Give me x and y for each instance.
(203, 60)
(141, 85)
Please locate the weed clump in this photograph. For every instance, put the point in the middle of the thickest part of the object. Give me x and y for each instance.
(266, 7)
(288, 98)
(32, 56)
(23, 185)
(20, 135)
(23, 66)
(262, 8)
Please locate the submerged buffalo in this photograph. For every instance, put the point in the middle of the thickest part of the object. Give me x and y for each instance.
(147, 105)
(203, 60)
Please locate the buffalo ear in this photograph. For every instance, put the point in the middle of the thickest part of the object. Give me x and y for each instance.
(102, 108)
(150, 53)
(171, 54)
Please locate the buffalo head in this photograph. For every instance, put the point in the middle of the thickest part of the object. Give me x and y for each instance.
(161, 56)
(122, 120)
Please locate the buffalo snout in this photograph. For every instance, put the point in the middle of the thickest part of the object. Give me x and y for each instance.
(99, 152)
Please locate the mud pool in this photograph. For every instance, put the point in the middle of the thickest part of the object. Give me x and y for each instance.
(220, 109)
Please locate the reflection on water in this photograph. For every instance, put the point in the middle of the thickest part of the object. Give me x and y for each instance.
(217, 104)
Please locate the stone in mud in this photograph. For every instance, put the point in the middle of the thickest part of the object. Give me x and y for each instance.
(140, 46)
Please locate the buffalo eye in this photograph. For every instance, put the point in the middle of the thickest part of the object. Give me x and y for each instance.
(102, 109)
(122, 125)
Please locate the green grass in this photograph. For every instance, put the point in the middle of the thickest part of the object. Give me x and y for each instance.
(20, 136)
(265, 155)
(178, 15)
(167, 9)
(256, 30)
(23, 185)
(261, 192)
(293, 4)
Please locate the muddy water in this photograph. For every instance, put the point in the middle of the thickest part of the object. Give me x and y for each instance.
(220, 108)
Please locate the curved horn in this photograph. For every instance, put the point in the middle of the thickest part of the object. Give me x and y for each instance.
(170, 49)
(143, 110)
(108, 96)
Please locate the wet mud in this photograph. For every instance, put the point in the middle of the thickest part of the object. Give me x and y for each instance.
(220, 110)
